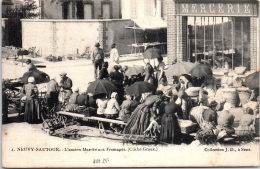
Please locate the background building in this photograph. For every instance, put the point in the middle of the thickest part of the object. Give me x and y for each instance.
(215, 31)
(70, 26)
(80, 9)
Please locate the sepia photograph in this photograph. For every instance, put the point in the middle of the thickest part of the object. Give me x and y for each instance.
(130, 83)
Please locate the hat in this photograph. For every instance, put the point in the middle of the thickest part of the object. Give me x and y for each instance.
(28, 61)
(31, 79)
(113, 45)
(97, 45)
(170, 108)
(117, 67)
(63, 74)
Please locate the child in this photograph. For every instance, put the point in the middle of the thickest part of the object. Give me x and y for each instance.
(153, 129)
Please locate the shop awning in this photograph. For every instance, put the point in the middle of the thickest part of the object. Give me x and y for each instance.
(148, 23)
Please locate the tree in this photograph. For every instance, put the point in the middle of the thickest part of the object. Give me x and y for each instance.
(28, 10)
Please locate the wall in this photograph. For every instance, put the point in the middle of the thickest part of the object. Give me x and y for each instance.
(53, 10)
(58, 37)
(64, 37)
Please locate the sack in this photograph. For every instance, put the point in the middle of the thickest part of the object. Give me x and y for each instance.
(231, 96)
(23, 98)
(244, 95)
(240, 70)
(253, 105)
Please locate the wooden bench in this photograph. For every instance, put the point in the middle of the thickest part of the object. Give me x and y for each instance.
(100, 120)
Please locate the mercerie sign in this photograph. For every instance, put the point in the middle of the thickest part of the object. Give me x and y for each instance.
(217, 9)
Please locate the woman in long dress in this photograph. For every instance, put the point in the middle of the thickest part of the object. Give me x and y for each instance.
(170, 128)
(140, 118)
(32, 110)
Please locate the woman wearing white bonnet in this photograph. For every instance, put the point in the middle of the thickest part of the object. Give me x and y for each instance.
(113, 107)
(30, 90)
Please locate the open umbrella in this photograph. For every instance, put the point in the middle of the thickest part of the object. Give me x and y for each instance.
(152, 53)
(39, 76)
(252, 81)
(134, 70)
(101, 86)
(180, 68)
(138, 88)
(201, 70)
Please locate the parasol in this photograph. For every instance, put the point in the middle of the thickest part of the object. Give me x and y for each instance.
(180, 68)
(134, 70)
(138, 88)
(152, 53)
(201, 70)
(252, 81)
(39, 76)
(101, 86)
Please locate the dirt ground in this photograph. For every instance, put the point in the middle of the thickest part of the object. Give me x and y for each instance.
(20, 134)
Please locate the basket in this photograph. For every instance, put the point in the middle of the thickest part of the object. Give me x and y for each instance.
(231, 96)
(244, 95)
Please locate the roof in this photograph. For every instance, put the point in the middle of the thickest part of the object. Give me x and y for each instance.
(151, 23)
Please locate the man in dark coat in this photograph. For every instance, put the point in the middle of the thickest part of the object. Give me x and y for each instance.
(66, 85)
(97, 57)
(52, 93)
(117, 79)
(103, 74)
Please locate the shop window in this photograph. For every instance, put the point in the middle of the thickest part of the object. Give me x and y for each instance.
(218, 40)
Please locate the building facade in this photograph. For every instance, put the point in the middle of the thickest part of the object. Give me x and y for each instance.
(214, 30)
(80, 9)
(62, 24)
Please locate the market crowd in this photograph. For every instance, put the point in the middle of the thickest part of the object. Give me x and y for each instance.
(151, 103)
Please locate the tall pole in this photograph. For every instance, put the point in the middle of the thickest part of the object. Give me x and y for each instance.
(204, 39)
(222, 40)
(195, 27)
(213, 41)
(232, 41)
(242, 41)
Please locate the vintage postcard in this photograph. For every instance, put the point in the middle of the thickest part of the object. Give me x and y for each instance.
(127, 83)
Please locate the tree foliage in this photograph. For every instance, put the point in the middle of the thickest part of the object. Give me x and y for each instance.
(27, 10)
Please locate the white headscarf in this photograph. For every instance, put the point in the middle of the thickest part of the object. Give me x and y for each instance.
(113, 95)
